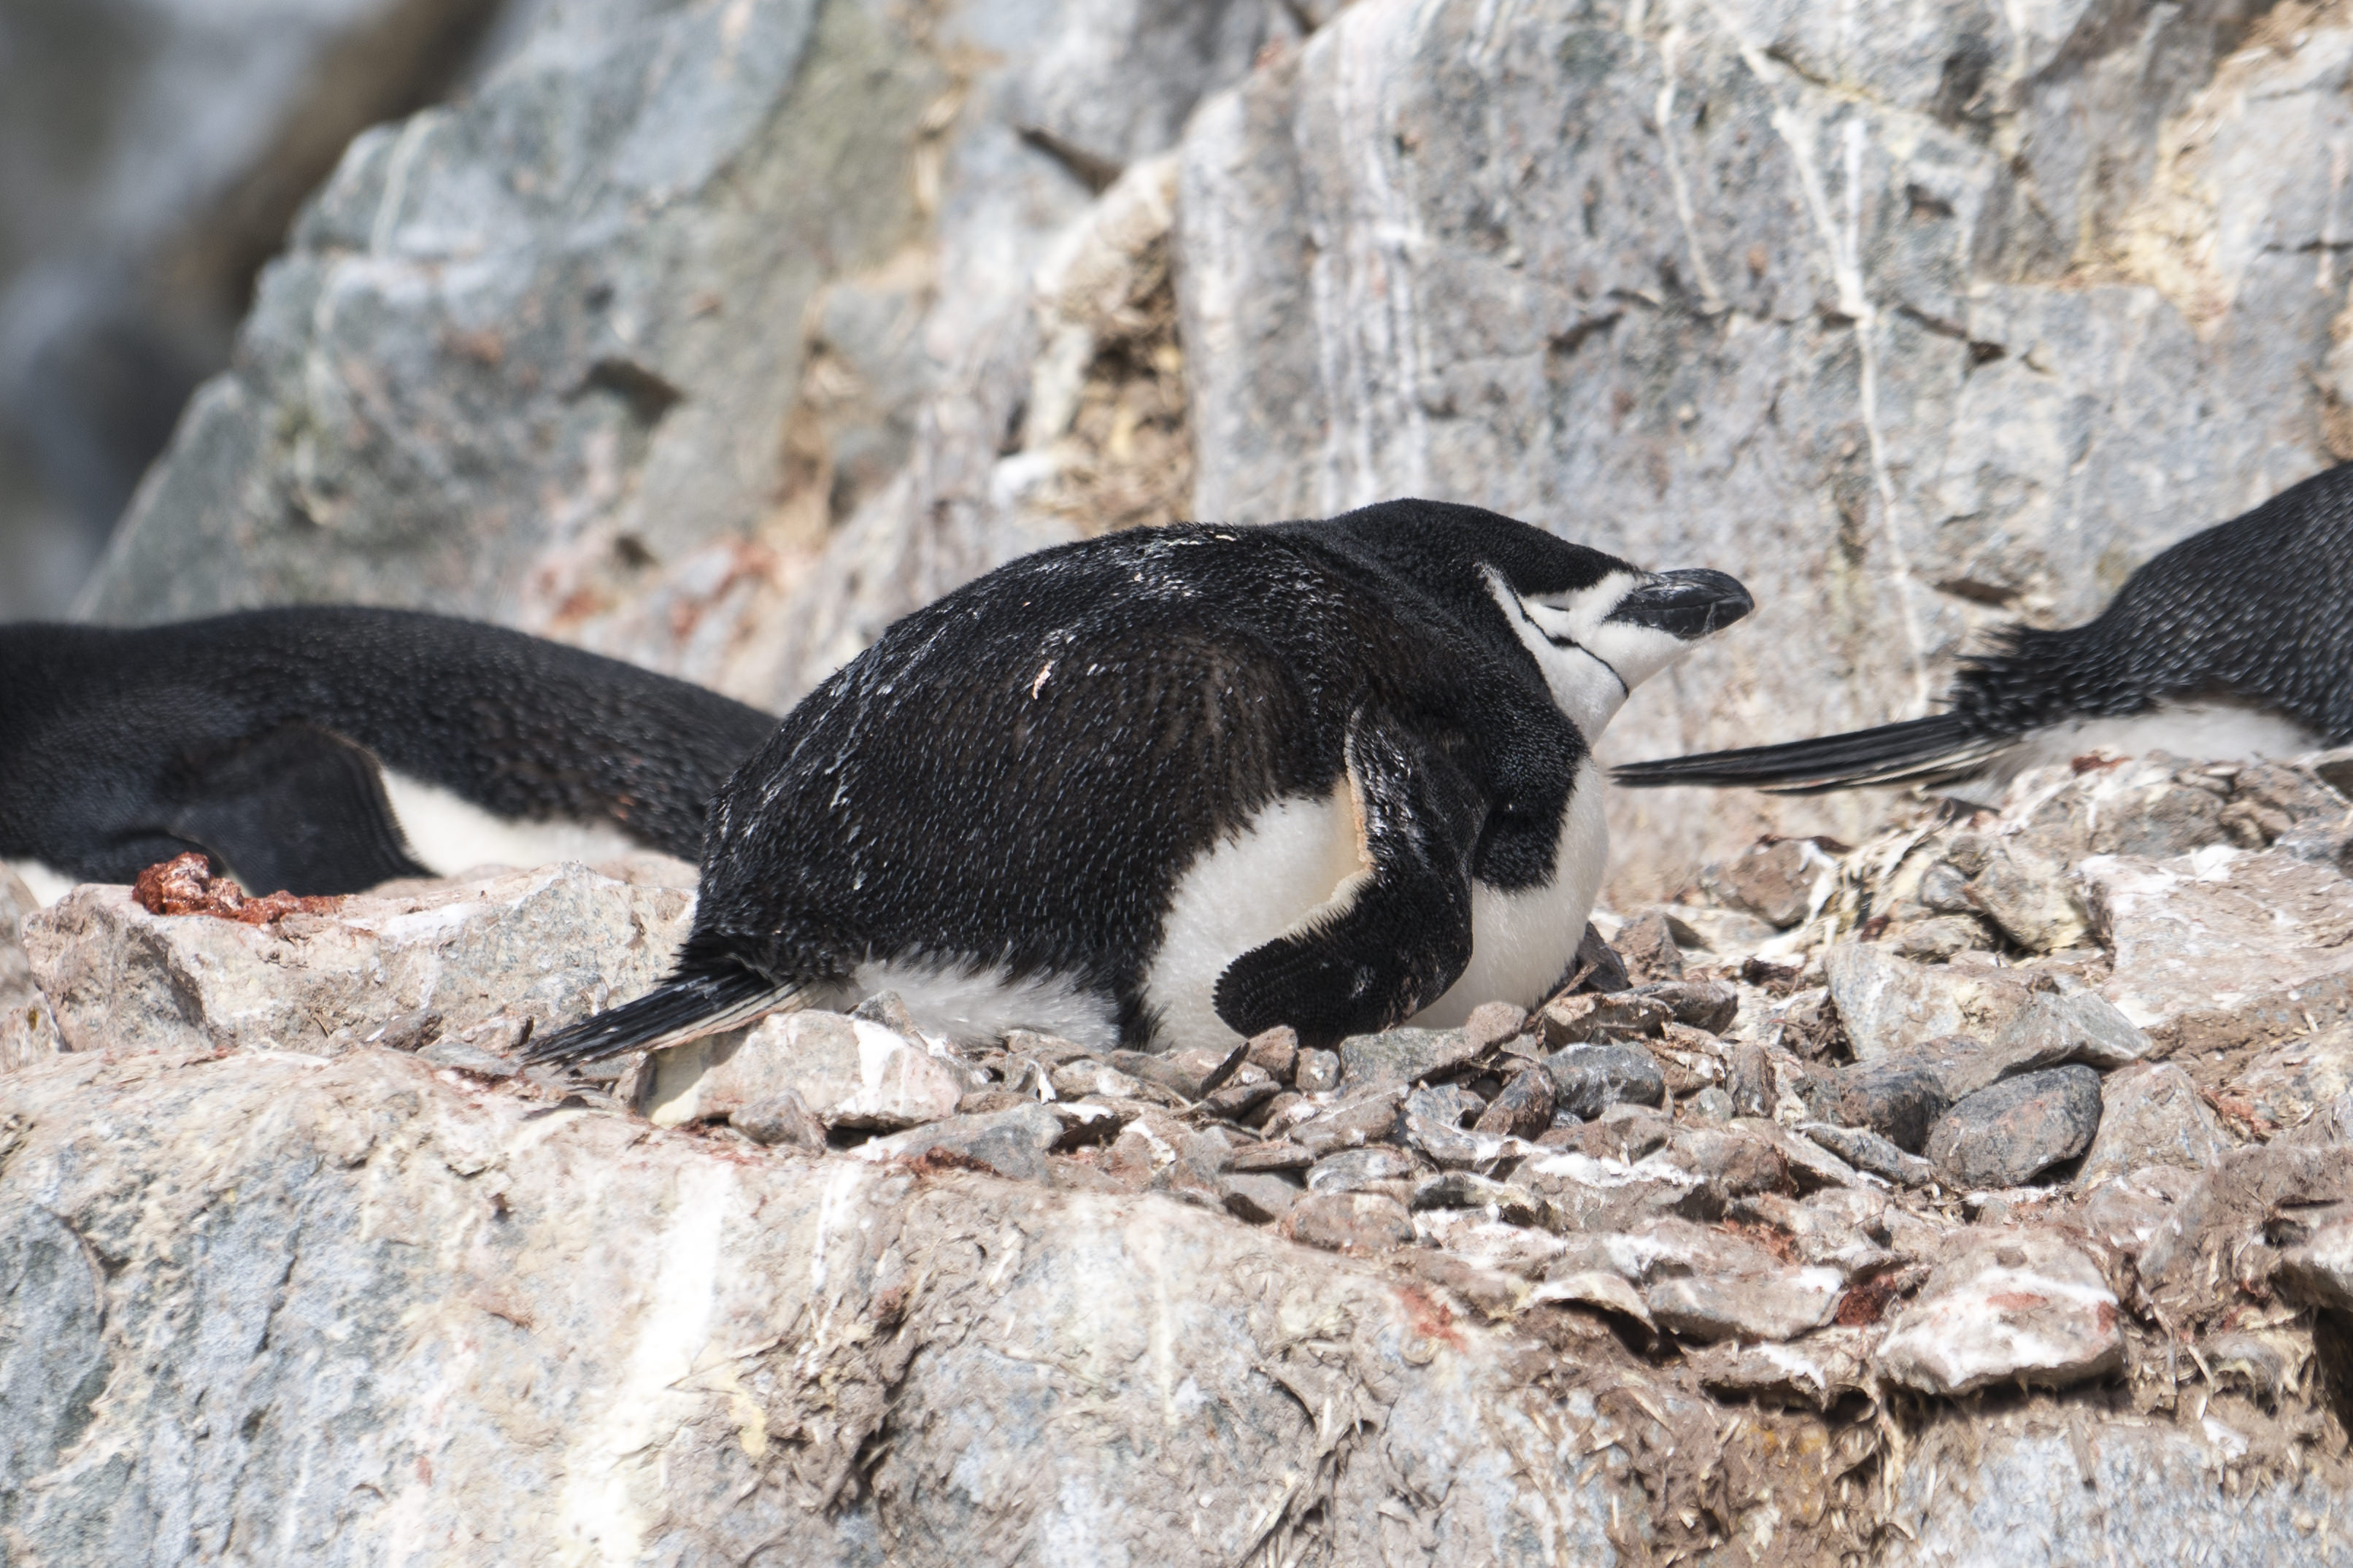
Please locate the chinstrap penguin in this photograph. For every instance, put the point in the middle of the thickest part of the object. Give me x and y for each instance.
(326, 749)
(2237, 642)
(1179, 785)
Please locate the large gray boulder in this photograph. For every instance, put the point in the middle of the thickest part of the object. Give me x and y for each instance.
(697, 334)
(502, 322)
(369, 1312)
(1910, 316)
(391, 1319)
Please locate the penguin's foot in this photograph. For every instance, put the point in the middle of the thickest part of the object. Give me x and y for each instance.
(683, 1008)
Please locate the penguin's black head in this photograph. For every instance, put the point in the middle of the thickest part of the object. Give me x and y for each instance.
(1597, 627)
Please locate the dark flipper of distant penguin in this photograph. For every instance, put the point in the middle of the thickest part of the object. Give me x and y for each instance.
(296, 808)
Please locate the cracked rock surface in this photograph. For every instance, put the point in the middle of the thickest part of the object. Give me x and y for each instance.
(1901, 313)
(818, 1290)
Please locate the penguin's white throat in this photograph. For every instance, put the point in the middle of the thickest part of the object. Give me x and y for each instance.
(1591, 662)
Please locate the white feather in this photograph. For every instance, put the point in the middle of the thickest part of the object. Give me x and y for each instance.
(965, 1000)
(1523, 942)
(449, 835)
(2210, 731)
(2198, 731)
(1300, 860)
(46, 884)
(1288, 865)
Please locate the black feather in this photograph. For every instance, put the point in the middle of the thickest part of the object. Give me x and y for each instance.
(247, 736)
(1941, 746)
(685, 1007)
(1013, 779)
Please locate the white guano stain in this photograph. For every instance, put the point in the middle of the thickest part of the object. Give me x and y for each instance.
(1362, 286)
(1669, 43)
(608, 1470)
(1842, 236)
(384, 221)
(830, 1212)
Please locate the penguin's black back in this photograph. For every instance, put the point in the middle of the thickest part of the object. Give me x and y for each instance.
(1018, 773)
(112, 742)
(2257, 610)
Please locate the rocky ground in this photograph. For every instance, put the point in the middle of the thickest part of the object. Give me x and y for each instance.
(1975, 1193)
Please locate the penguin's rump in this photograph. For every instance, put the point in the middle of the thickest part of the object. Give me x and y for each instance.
(326, 749)
(1094, 780)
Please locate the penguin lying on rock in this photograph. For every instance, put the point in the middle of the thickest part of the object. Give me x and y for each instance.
(1178, 785)
(324, 750)
(2237, 642)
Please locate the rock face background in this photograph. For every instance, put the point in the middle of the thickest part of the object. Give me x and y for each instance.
(698, 333)
(719, 334)
(1903, 314)
(151, 153)
(1977, 1193)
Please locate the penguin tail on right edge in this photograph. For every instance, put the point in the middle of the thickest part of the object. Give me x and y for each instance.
(1938, 747)
(685, 1007)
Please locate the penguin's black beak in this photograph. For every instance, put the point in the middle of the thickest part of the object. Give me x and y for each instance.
(1688, 605)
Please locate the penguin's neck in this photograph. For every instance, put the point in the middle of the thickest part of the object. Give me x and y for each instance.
(1582, 686)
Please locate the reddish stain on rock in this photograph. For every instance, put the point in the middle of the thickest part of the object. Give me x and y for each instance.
(1431, 1318)
(937, 1160)
(1864, 1304)
(184, 885)
(1772, 1239)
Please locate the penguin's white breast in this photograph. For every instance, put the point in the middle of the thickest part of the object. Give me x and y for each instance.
(1302, 857)
(1248, 888)
(1524, 941)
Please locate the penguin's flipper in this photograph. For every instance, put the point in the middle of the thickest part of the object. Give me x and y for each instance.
(1395, 935)
(1939, 747)
(299, 809)
(686, 1006)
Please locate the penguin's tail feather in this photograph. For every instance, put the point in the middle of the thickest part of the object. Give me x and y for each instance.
(1941, 747)
(685, 1007)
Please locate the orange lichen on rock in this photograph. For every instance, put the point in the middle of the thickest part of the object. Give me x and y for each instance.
(184, 885)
